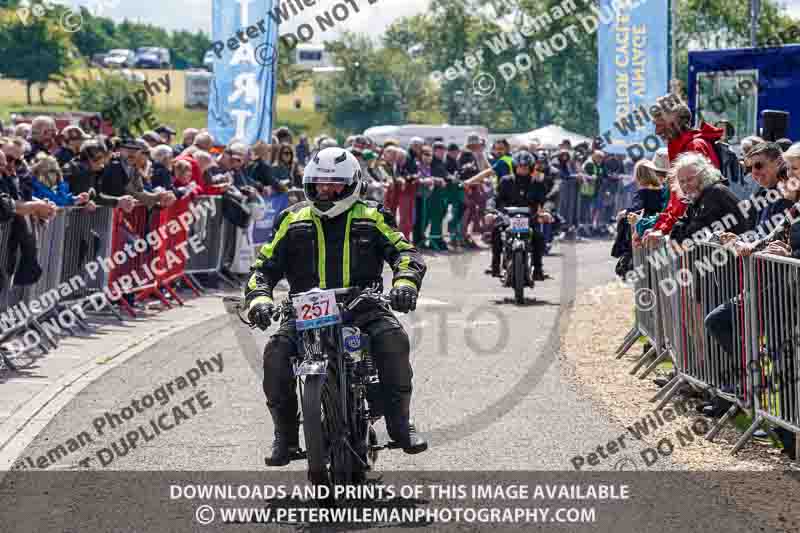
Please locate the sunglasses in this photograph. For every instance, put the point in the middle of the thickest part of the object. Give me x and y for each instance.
(758, 165)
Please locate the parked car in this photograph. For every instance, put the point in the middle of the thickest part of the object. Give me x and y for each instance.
(120, 58)
(152, 57)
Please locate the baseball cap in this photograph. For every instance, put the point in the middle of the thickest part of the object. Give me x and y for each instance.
(417, 140)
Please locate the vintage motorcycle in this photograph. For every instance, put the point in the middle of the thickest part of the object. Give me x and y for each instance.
(516, 270)
(337, 382)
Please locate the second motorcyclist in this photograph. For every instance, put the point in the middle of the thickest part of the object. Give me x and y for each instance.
(521, 189)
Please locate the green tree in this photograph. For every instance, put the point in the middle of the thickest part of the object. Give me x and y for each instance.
(363, 94)
(410, 79)
(96, 34)
(108, 92)
(289, 75)
(188, 48)
(467, 26)
(35, 53)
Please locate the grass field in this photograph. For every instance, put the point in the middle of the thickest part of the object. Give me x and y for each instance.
(170, 110)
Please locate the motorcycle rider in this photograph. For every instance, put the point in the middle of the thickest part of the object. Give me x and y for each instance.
(521, 189)
(335, 240)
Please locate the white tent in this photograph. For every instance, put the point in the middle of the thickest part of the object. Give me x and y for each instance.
(550, 137)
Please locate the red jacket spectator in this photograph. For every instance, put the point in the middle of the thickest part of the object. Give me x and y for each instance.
(702, 141)
(197, 176)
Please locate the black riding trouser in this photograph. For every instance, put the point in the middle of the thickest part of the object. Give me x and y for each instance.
(537, 248)
(390, 349)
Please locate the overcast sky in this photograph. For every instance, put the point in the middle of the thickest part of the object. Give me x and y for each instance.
(196, 14)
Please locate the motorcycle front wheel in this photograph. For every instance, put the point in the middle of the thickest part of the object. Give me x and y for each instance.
(519, 277)
(325, 431)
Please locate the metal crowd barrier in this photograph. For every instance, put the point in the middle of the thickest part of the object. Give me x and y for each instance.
(774, 340)
(218, 236)
(5, 279)
(568, 206)
(87, 238)
(75, 251)
(647, 313)
(711, 278)
(644, 315)
(172, 259)
(49, 238)
(757, 297)
(133, 275)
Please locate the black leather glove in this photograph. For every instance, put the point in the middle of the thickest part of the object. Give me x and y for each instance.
(261, 315)
(403, 298)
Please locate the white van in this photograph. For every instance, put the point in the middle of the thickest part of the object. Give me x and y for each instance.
(403, 134)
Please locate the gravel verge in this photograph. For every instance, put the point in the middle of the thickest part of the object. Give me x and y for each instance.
(598, 324)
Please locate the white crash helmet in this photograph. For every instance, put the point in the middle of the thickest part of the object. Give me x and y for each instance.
(337, 166)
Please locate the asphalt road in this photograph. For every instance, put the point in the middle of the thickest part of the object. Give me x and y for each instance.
(488, 389)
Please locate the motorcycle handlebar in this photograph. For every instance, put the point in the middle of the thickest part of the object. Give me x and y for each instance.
(279, 310)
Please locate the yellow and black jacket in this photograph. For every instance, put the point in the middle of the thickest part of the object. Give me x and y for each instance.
(345, 251)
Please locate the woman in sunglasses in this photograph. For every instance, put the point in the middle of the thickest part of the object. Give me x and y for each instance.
(768, 203)
(285, 168)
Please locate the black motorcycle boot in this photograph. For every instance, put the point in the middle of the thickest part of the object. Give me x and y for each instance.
(494, 268)
(287, 437)
(399, 427)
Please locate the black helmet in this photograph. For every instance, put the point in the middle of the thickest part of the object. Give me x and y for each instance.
(524, 158)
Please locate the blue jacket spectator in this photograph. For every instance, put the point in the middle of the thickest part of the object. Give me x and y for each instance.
(47, 183)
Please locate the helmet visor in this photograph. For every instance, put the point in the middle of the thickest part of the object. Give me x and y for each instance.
(327, 192)
(316, 178)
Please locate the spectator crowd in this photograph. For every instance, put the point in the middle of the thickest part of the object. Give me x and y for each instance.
(423, 184)
(698, 189)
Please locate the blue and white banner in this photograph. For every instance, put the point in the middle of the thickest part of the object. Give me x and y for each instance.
(632, 70)
(263, 229)
(245, 61)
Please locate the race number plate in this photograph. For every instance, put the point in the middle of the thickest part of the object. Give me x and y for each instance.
(316, 309)
(520, 225)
